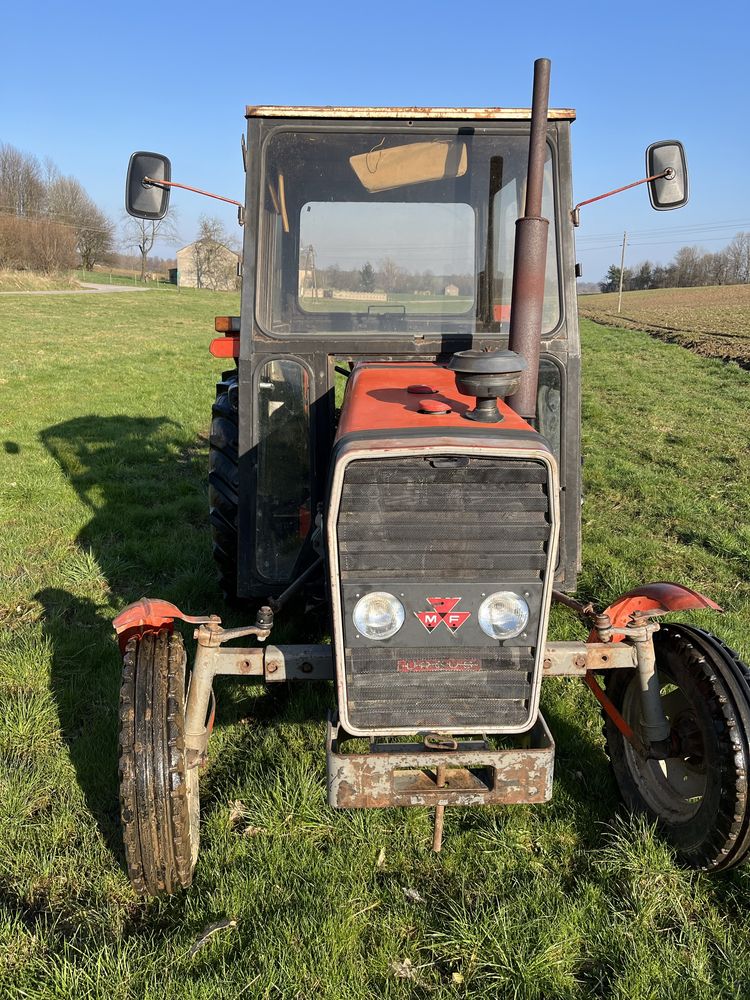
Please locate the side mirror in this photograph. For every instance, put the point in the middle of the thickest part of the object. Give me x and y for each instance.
(146, 200)
(670, 191)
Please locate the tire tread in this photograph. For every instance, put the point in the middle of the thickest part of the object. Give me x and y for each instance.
(723, 681)
(160, 841)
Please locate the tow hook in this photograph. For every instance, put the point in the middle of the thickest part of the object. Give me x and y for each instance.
(438, 741)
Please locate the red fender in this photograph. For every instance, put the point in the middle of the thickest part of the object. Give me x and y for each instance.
(652, 597)
(151, 614)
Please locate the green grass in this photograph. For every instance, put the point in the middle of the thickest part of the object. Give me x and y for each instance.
(106, 403)
(108, 277)
(22, 281)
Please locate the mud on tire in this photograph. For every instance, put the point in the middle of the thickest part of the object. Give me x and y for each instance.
(699, 796)
(159, 805)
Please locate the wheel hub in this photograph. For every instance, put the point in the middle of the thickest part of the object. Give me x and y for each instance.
(674, 786)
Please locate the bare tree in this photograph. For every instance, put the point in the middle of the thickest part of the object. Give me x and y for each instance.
(53, 246)
(738, 259)
(21, 185)
(390, 274)
(691, 267)
(68, 203)
(95, 235)
(142, 234)
(214, 259)
(716, 267)
(46, 217)
(65, 199)
(687, 262)
(37, 244)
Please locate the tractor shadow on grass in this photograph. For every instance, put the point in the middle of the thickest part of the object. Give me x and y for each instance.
(144, 482)
(85, 686)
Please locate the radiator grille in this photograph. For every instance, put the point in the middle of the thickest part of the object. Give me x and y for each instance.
(411, 519)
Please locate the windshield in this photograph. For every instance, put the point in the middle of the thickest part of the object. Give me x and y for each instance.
(394, 232)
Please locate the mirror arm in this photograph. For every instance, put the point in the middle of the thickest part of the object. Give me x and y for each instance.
(186, 187)
(575, 213)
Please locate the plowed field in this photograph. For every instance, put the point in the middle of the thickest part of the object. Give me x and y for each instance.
(713, 321)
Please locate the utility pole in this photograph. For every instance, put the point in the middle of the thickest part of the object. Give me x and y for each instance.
(622, 270)
(309, 268)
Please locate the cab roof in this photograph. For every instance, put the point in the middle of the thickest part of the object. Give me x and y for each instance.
(470, 114)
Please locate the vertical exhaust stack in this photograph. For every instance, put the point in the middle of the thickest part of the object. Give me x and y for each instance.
(530, 254)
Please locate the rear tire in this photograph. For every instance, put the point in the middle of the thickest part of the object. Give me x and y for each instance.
(224, 482)
(699, 796)
(159, 803)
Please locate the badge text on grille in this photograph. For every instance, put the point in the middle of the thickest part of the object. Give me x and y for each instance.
(443, 612)
(438, 664)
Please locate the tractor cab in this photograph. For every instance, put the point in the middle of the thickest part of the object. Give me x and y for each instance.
(384, 236)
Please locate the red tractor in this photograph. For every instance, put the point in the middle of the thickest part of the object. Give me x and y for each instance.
(425, 256)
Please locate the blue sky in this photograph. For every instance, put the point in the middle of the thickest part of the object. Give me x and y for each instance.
(87, 84)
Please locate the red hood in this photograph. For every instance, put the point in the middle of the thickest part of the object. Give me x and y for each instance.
(378, 398)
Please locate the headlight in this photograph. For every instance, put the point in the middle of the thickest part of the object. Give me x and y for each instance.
(503, 615)
(378, 615)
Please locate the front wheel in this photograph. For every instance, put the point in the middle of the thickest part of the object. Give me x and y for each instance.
(698, 795)
(159, 804)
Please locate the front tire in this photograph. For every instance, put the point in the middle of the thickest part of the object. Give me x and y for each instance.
(159, 803)
(699, 795)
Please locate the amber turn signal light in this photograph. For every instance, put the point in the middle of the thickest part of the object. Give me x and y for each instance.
(227, 324)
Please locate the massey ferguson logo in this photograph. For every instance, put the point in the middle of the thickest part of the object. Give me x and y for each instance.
(443, 611)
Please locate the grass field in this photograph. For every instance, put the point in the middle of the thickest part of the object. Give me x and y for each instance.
(103, 420)
(30, 281)
(713, 321)
(120, 276)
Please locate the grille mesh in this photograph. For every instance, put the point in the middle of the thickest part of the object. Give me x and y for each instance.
(447, 686)
(406, 516)
(411, 520)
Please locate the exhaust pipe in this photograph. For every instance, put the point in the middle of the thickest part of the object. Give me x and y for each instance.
(530, 254)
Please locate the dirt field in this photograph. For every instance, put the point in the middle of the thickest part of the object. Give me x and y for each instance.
(713, 321)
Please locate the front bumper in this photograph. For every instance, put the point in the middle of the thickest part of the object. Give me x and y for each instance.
(406, 774)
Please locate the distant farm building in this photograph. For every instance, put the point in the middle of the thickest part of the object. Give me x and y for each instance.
(206, 264)
(308, 289)
(451, 290)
